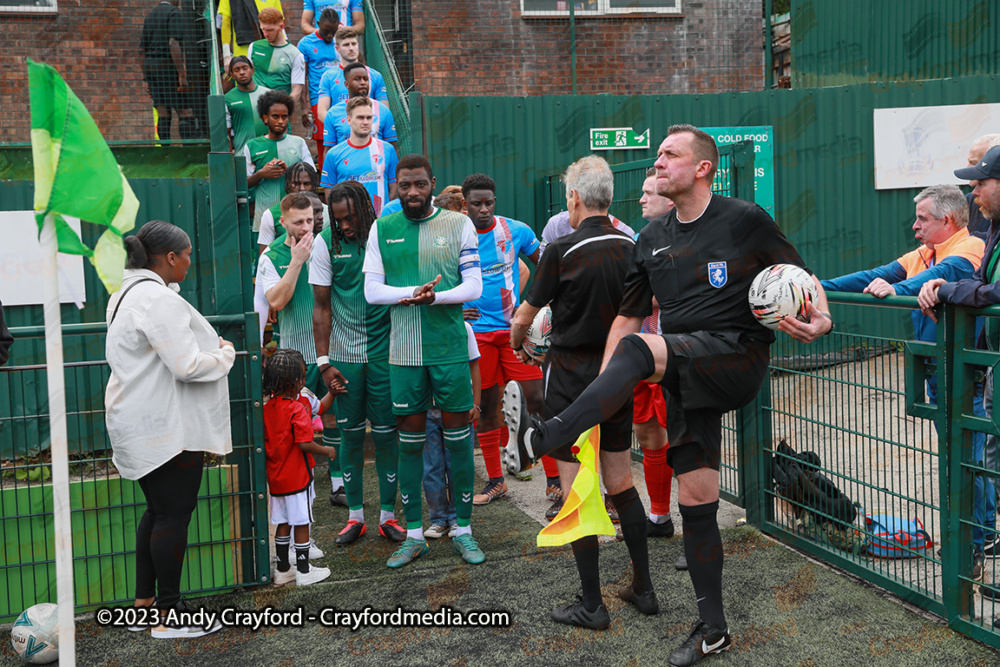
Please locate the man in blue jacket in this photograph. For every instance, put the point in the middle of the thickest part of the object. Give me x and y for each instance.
(948, 252)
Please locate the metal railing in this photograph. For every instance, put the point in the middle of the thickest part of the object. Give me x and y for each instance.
(380, 57)
(857, 401)
(228, 536)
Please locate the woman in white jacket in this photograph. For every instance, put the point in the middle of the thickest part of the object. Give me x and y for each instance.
(166, 404)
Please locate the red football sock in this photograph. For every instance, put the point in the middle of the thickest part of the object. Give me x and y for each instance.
(489, 443)
(659, 477)
(551, 467)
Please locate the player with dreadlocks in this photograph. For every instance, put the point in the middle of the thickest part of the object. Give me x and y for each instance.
(356, 343)
(289, 446)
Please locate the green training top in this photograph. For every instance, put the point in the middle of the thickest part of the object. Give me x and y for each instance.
(414, 253)
(360, 330)
(272, 65)
(295, 319)
(241, 111)
(290, 149)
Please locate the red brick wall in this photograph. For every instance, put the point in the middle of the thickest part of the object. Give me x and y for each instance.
(487, 48)
(95, 46)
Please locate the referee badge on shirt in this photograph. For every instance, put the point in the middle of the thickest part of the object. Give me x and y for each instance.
(718, 275)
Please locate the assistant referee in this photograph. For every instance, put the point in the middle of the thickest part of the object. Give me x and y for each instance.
(582, 276)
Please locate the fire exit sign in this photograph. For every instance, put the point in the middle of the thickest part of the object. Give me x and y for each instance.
(617, 138)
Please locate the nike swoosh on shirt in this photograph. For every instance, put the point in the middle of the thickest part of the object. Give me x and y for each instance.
(659, 250)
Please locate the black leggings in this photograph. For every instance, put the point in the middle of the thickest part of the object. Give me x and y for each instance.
(161, 538)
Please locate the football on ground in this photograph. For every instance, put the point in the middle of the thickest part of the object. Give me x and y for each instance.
(35, 635)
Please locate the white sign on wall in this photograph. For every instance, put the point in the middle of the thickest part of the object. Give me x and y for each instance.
(21, 263)
(920, 146)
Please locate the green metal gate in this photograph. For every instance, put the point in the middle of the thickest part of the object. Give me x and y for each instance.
(228, 537)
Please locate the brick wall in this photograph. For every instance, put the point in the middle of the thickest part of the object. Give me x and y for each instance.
(95, 46)
(487, 48)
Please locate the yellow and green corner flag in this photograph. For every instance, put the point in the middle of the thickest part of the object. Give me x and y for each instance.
(583, 513)
(77, 175)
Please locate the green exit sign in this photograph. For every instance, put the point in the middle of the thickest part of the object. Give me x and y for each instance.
(617, 138)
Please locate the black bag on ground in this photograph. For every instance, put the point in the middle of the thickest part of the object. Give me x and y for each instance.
(797, 478)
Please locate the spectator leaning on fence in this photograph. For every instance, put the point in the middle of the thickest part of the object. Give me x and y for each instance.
(167, 404)
(948, 252)
(6, 340)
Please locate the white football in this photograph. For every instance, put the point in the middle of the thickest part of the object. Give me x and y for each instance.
(536, 340)
(780, 290)
(35, 635)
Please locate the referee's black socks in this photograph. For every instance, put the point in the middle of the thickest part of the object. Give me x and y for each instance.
(631, 362)
(703, 549)
(588, 565)
(632, 518)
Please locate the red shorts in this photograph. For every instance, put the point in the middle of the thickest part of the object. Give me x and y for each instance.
(647, 403)
(498, 363)
(317, 136)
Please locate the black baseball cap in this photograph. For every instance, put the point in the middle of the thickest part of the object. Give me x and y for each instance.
(988, 167)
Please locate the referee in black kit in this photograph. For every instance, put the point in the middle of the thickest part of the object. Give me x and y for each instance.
(582, 276)
(699, 261)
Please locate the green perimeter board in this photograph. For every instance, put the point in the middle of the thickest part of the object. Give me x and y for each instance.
(105, 514)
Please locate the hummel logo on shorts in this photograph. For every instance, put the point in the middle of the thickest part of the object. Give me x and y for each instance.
(659, 250)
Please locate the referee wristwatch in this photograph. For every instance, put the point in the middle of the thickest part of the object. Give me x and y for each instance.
(833, 325)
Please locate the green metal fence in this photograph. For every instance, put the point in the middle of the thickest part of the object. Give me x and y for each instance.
(228, 539)
(380, 57)
(857, 401)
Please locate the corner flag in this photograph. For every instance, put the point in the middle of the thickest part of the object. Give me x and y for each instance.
(76, 174)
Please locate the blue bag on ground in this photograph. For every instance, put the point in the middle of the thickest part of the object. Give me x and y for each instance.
(893, 537)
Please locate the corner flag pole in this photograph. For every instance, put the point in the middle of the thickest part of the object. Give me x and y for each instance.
(59, 446)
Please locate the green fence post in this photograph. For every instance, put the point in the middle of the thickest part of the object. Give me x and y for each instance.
(754, 468)
(950, 466)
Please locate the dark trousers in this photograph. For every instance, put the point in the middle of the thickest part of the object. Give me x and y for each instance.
(161, 538)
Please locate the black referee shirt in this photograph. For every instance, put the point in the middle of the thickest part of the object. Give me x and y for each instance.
(701, 271)
(582, 277)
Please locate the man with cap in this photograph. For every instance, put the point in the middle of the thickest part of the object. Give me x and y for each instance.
(978, 292)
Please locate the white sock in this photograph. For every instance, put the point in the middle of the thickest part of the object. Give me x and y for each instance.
(416, 533)
(356, 515)
(659, 518)
(385, 516)
(336, 483)
(463, 530)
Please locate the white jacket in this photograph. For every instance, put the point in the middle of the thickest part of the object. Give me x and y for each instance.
(168, 390)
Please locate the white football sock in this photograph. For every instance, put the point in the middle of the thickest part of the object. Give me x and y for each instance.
(385, 516)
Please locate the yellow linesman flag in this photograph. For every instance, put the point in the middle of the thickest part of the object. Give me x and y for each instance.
(583, 512)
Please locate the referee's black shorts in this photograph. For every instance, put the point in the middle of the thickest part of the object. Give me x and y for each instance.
(708, 374)
(566, 374)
